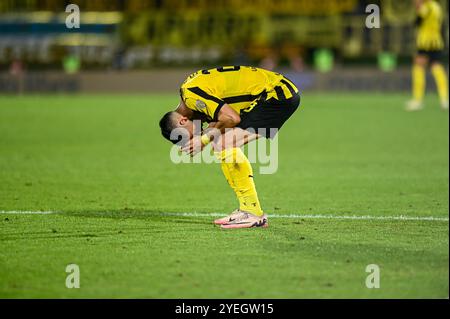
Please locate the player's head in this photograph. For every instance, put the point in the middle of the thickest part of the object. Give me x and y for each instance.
(175, 121)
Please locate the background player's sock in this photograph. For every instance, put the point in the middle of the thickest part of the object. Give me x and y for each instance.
(240, 174)
(441, 82)
(418, 79)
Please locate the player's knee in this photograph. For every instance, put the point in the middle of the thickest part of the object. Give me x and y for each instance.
(421, 60)
(436, 64)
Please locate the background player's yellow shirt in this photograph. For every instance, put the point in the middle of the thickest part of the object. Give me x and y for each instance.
(429, 35)
(206, 91)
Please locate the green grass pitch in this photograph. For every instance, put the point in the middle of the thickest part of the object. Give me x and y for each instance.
(101, 165)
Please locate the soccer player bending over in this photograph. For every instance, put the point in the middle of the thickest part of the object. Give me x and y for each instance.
(430, 45)
(236, 101)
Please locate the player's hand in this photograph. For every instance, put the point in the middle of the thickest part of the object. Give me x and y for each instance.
(194, 146)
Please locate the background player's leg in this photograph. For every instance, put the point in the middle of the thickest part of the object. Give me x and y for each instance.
(440, 77)
(418, 83)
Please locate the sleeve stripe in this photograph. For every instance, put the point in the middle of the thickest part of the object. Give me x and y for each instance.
(203, 94)
(216, 112)
(241, 98)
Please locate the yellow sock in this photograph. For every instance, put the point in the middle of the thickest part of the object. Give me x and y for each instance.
(441, 81)
(238, 171)
(226, 173)
(418, 79)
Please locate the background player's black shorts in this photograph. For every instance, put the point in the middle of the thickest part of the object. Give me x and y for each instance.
(433, 55)
(269, 114)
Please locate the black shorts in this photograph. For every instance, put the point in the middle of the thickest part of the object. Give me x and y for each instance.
(270, 115)
(432, 55)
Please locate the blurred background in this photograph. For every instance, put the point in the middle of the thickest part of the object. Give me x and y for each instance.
(151, 45)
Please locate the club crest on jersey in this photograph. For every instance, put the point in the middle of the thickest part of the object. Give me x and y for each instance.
(200, 104)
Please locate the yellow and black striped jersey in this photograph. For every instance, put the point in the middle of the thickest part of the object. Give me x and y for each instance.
(429, 35)
(240, 87)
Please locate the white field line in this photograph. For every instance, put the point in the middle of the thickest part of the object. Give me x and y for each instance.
(24, 212)
(319, 216)
(292, 216)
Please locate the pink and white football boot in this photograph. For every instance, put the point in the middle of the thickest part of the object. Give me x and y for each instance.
(235, 214)
(246, 220)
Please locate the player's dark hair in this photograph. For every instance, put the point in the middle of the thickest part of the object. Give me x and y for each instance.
(167, 125)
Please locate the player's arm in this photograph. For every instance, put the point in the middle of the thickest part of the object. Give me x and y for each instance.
(226, 118)
(221, 116)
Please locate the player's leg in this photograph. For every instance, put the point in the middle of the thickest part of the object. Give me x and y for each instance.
(271, 114)
(239, 173)
(233, 138)
(440, 76)
(418, 82)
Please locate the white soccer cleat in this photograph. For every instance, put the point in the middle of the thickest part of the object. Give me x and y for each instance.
(414, 105)
(246, 220)
(444, 105)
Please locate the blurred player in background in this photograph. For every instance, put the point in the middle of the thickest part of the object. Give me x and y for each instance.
(430, 45)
